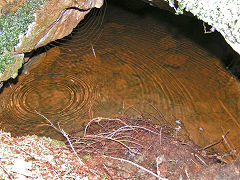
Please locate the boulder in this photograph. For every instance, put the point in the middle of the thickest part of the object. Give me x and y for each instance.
(26, 26)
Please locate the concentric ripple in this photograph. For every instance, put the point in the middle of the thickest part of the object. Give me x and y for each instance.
(56, 96)
(140, 62)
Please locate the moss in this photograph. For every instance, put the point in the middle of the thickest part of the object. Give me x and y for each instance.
(222, 15)
(5, 60)
(12, 24)
(53, 141)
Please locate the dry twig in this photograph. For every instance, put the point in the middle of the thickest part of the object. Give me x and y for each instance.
(138, 166)
(215, 143)
(64, 134)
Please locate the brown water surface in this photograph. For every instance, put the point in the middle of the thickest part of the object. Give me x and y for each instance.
(136, 61)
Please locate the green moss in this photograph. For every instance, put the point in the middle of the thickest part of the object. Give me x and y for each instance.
(87, 157)
(12, 24)
(53, 141)
(5, 59)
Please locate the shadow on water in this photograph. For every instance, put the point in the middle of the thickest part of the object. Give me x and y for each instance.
(148, 61)
(190, 27)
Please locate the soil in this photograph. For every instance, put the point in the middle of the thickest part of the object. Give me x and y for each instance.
(168, 153)
(113, 148)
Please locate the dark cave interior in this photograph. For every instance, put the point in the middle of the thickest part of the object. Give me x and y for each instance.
(190, 27)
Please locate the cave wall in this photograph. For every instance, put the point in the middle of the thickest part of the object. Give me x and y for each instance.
(223, 16)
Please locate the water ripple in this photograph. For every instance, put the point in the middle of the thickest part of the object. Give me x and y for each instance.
(56, 96)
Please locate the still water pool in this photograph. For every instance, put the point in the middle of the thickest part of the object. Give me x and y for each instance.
(136, 61)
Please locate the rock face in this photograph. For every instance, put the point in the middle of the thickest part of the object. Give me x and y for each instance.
(221, 15)
(44, 21)
(55, 20)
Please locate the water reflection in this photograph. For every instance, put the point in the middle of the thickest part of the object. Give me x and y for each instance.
(135, 62)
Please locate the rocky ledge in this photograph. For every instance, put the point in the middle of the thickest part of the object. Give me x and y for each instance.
(28, 24)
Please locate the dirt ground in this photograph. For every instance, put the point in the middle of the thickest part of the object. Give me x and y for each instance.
(113, 148)
(123, 148)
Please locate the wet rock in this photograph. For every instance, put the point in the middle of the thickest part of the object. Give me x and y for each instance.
(32, 63)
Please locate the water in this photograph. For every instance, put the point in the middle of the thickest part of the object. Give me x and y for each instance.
(129, 64)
